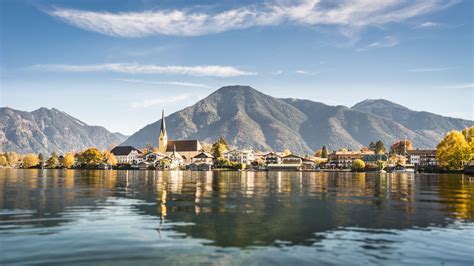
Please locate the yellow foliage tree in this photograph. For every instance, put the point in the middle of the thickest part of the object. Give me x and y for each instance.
(3, 161)
(469, 136)
(30, 160)
(91, 156)
(453, 151)
(12, 158)
(358, 165)
(109, 158)
(286, 152)
(69, 160)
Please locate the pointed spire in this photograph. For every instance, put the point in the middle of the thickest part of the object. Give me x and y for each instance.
(163, 122)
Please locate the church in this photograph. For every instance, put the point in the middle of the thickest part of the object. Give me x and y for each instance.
(186, 148)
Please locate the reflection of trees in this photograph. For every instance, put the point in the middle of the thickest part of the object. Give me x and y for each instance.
(247, 208)
(457, 195)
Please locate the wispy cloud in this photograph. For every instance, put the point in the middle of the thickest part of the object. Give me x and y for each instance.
(459, 86)
(174, 83)
(428, 24)
(162, 100)
(277, 72)
(134, 68)
(188, 22)
(435, 69)
(388, 41)
(306, 72)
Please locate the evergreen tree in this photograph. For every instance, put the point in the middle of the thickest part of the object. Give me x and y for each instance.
(325, 152)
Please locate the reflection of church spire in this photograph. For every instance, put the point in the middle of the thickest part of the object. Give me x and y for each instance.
(163, 136)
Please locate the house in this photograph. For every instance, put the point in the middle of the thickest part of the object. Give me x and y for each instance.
(239, 156)
(125, 154)
(308, 164)
(422, 157)
(289, 162)
(344, 159)
(186, 148)
(201, 162)
(175, 161)
(203, 157)
(272, 158)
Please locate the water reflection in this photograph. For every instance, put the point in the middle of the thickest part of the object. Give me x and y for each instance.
(234, 209)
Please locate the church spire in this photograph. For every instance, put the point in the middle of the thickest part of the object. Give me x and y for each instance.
(163, 136)
(163, 122)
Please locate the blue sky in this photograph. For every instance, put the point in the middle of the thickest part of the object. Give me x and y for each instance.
(118, 63)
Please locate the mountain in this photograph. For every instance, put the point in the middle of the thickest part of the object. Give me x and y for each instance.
(47, 130)
(248, 118)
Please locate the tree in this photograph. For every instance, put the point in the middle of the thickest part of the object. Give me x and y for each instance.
(91, 156)
(69, 160)
(53, 161)
(286, 152)
(109, 158)
(325, 152)
(401, 147)
(30, 160)
(469, 136)
(318, 153)
(358, 165)
(3, 161)
(453, 151)
(12, 158)
(378, 147)
(218, 148)
(41, 157)
(343, 149)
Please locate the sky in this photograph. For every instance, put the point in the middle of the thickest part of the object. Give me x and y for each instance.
(119, 63)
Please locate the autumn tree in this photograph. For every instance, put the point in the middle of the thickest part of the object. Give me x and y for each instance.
(69, 160)
(30, 160)
(401, 147)
(378, 147)
(318, 153)
(40, 157)
(286, 152)
(12, 158)
(343, 150)
(218, 148)
(468, 134)
(453, 151)
(358, 165)
(53, 161)
(91, 156)
(3, 161)
(109, 158)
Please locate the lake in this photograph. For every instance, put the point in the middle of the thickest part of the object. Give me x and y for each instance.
(252, 218)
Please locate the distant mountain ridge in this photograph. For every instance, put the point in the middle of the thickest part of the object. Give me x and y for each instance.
(248, 118)
(46, 130)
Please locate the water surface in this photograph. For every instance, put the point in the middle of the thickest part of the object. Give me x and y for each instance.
(150, 217)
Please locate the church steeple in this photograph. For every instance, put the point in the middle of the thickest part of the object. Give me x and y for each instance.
(163, 138)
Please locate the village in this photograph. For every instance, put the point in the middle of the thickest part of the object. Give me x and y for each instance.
(194, 156)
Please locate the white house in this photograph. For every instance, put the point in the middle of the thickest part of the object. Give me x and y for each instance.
(240, 156)
(125, 154)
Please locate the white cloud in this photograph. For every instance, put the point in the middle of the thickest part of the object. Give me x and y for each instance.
(306, 72)
(388, 41)
(344, 13)
(134, 68)
(276, 73)
(436, 69)
(459, 86)
(162, 100)
(428, 24)
(174, 83)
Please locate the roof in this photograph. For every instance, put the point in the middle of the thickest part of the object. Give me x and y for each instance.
(421, 152)
(292, 156)
(123, 150)
(183, 145)
(204, 155)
